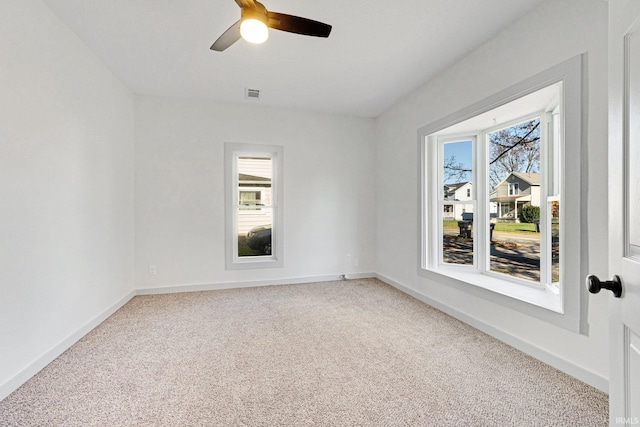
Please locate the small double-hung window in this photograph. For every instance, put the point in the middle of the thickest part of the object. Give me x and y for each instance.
(501, 197)
(253, 206)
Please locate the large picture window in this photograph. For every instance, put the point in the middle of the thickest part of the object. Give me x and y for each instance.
(253, 201)
(510, 155)
(494, 179)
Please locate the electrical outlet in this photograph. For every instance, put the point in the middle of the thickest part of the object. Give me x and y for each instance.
(152, 270)
(348, 259)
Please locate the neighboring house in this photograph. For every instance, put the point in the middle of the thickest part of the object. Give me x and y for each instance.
(458, 192)
(514, 192)
(254, 192)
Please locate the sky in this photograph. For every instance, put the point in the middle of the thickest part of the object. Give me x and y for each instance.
(463, 152)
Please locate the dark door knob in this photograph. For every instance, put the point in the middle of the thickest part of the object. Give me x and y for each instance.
(614, 285)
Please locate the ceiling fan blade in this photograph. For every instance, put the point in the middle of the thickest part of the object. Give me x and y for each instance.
(227, 38)
(298, 25)
(246, 3)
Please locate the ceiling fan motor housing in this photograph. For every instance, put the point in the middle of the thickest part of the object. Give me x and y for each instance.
(253, 14)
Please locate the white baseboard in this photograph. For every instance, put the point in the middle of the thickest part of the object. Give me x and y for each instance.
(250, 284)
(559, 363)
(33, 368)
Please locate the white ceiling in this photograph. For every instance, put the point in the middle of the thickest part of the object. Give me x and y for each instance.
(378, 51)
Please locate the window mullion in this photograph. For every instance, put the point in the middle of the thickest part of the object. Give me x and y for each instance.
(549, 196)
(546, 188)
(235, 195)
(482, 197)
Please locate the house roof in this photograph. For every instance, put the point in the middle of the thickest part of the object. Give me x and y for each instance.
(531, 178)
(526, 197)
(450, 189)
(256, 181)
(454, 187)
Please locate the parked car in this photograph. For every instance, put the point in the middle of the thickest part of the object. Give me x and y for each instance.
(259, 239)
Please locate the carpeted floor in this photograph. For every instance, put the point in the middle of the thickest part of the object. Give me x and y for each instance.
(329, 354)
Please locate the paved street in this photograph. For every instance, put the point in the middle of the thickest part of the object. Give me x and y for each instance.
(516, 254)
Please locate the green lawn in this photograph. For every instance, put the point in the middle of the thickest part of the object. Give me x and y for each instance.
(450, 224)
(515, 228)
(243, 249)
(501, 226)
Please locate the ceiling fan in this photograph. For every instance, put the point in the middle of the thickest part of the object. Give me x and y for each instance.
(255, 20)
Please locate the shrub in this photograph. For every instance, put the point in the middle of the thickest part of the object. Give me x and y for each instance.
(529, 213)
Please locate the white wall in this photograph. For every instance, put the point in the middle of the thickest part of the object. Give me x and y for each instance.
(556, 32)
(67, 184)
(329, 197)
(66, 190)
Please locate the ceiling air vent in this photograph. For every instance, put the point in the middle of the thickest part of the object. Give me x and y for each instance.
(252, 94)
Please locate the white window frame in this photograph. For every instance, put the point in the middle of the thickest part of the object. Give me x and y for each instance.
(233, 151)
(563, 304)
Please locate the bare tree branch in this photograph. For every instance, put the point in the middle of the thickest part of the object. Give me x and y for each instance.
(512, 149)
(523, 139)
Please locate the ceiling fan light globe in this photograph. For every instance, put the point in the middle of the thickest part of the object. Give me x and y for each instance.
(254, 30)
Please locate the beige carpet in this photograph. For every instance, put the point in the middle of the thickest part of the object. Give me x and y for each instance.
(350, 353)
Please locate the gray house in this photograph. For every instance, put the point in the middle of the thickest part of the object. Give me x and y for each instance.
(514, 192)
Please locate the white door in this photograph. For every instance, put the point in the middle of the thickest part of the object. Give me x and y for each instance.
(624, 209)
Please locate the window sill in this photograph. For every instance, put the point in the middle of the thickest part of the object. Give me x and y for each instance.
(253, 262)
(546, 297)
(543, 304)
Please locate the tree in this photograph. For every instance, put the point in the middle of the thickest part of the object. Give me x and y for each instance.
(514, 149)
(455, 171)
(529, 213)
